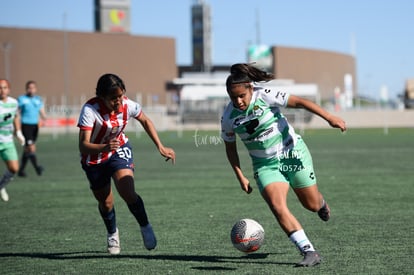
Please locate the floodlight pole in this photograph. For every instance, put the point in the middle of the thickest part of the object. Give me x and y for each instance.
(6, 46)
(65, 73)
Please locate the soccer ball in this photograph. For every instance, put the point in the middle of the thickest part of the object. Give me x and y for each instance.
(247, 235)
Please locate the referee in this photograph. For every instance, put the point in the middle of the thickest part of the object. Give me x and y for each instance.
(31, 107)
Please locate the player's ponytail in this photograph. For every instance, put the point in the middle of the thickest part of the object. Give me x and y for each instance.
(246, 73)
(108, 83)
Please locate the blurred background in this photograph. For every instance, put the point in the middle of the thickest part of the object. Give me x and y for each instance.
(353, 57)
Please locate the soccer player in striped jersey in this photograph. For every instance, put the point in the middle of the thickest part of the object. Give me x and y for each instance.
(279, 156)
(106, 153)
(9, 124)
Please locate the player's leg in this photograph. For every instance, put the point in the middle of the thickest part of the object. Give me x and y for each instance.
(303, 182)
(9, 155)
(25, 155)
(124, 182)
(275, 195)
(33, 159)
(312, 199)
(100, 184)
(11, 168)
(106, 208)
(32, 150)
(30, 132)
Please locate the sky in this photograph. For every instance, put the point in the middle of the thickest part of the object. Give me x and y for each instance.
(379, 33)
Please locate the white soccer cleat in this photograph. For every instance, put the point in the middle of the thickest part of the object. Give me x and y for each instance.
(3, 194)
(114, 247)
(148, 236)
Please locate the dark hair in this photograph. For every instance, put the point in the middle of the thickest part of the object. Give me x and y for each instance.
(28, 83)
(108, 83)
(246, 73)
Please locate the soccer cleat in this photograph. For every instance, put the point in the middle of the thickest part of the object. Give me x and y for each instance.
(324, 213)
(3, 194)
(22, 174)
(311, 258)
(150, 242)
(39, 170)
(114, 247)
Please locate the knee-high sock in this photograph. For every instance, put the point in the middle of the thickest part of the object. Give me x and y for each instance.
(6, 178)
(138, 210)
(109, 219)
(25, 158)
(33, 160)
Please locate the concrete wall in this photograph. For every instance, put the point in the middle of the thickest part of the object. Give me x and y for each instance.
(370, 119)
(353, 119)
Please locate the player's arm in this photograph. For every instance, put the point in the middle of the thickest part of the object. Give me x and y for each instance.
(86, 147)
(149, 128)
(299, 102)
(42, 113)
(18, 129)
(233, 158)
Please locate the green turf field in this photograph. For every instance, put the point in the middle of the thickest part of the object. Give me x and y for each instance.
(51, 224)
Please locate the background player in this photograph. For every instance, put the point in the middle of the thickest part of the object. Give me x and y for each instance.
(106, 153)
(9, 124)
(280, 157)
(30, 106)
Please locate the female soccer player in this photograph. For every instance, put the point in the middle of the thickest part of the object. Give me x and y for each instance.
(106, 153)
(9, 124)
(280, 157)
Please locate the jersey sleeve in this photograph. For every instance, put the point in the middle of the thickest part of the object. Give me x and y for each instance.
(86, 118)
(20, 101)
(41, 103)
(227, 131)
(134, 109)
(275, 97)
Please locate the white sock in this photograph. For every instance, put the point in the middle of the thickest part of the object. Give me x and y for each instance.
(301, 241)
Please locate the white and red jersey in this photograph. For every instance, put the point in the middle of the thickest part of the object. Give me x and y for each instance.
(96, 117)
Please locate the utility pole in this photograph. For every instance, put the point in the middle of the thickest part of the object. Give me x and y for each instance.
(6, 46)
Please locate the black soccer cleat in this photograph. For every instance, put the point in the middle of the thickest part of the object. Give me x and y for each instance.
(311, 258)
(39, 170)
(22, 174)
(324, 213)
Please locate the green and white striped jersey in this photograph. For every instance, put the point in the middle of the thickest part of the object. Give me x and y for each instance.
(262, 127)
(8, 111)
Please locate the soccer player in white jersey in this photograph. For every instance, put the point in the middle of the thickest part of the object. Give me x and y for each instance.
(279, 156)
(9, 125)
(106, 153)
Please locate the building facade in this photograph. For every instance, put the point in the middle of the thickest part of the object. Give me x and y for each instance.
(329, 70)
(67, 65)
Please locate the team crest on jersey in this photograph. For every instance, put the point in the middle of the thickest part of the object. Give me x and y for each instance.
(257, 111)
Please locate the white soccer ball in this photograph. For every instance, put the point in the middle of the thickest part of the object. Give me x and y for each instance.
(247, 235)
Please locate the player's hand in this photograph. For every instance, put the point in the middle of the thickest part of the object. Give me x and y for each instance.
(20, 137)
(245, 185)
(113, 145)
(337, 122)
(168, 153)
